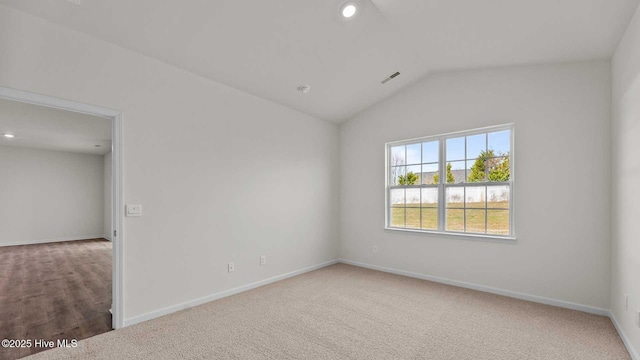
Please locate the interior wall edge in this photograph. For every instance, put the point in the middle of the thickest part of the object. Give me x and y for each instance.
(635, 355)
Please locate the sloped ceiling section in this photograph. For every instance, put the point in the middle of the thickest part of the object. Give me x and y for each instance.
(270, 48)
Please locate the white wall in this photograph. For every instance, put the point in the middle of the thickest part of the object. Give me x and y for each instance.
(222, 175)
(626, 181)
(49, 196)
(562, 152)
(107, 196)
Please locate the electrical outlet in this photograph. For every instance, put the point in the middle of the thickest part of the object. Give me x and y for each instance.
(375, 249)
(263, 260)
(626, 302)
(231, 267)
(638, 318)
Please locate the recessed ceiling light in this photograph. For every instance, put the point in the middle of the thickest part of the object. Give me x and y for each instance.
(348, 10)
(9, 136)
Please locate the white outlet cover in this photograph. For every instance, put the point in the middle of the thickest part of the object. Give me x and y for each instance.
(375, 248)
(231, 267)
(133, 210)
(263, 260)
(626, 302)
(637, 318)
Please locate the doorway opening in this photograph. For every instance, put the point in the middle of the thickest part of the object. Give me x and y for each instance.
(52, 147)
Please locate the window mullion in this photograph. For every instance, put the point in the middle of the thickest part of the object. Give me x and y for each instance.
(421, 182)
(464, 206)
(486, 208)
(486, 163)
(441, 188)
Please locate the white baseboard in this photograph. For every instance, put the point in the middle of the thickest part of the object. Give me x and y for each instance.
(632, 352)
(533, 298)
(539, 299)
(32, 242)
(107, 237)
(189, 304)
(492, 290)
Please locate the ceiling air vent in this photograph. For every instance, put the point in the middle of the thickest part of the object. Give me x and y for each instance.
(390, 77)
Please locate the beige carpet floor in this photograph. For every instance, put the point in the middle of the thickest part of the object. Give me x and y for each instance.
(346, 312)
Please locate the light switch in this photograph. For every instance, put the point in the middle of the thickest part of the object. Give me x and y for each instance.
(134, 210)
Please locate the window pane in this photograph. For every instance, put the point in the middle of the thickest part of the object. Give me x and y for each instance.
(397, 156)
(413, 197)
(455, 149)
(429, 174)
(498, 169)
(413, 175)
(397, 197)
(397, 217)
(430, 197)
(430, 152)
(475, 197)
(475, 170)
(476, 146)
(498, 222)
(455, 220)
(475, 220)
(414, 154)
(472, 172)
(396, 175)
(500, 142)
(455, 197)
(413, 218)
(498, 197)
(430, 218)
(455, 172)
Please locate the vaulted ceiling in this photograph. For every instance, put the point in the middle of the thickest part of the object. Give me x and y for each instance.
(269, 48)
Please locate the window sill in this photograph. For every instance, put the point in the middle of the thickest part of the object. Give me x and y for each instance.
(462, 236)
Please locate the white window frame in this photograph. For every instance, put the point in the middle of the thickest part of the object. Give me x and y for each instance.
(442, 186)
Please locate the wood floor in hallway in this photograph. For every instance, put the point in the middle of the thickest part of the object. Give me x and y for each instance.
(54, 291)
